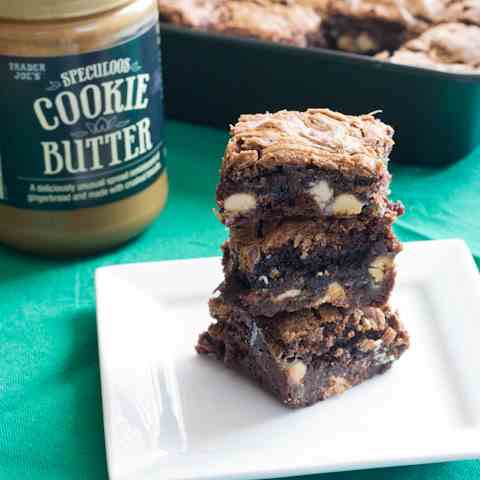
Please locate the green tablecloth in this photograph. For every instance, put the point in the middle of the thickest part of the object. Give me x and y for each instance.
(50, 404)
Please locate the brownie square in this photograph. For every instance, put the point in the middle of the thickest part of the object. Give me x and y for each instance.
(312, 164)
(275, 21)
(301, 264)
(449, 47)
(308, 356)
(370, 26)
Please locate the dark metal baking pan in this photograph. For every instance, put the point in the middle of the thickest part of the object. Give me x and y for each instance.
(212, 79)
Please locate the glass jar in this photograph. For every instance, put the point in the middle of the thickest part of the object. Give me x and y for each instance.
(82, 163)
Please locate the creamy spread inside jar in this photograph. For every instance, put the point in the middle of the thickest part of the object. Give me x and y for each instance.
(82, 161)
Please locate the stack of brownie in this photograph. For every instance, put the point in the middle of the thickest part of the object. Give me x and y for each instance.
(309, 265)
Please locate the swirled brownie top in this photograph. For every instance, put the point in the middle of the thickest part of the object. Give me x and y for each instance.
(464, 11)
(283, 21)
(407, 12)
(450, 47)
(318, 137)
(189, 13)
(278, 21)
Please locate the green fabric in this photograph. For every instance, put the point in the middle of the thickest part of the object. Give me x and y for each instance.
(50, 410)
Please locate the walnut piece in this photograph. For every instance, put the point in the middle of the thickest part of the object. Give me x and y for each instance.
(296, 373)
(365, 43)
(346, 204)
(389, 336)
(379, 267)
(362, 43)
(322, 193)
(336, 386)
(240, 202)
(368, 345)
(335, 295)
(292, 293)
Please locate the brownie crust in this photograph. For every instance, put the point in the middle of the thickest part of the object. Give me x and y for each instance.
(355, 145)
(309, 356)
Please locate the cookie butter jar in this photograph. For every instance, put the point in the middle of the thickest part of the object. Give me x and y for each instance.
(82, 164)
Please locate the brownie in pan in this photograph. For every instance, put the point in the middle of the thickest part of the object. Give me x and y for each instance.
(281, 21)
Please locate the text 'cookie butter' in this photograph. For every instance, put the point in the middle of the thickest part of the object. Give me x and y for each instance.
(82, 162)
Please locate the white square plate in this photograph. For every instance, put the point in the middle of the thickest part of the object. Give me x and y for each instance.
(172, 415)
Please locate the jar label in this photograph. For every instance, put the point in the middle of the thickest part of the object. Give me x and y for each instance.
(81, 130)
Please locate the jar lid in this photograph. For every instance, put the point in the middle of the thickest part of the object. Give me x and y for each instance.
(55, 9)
